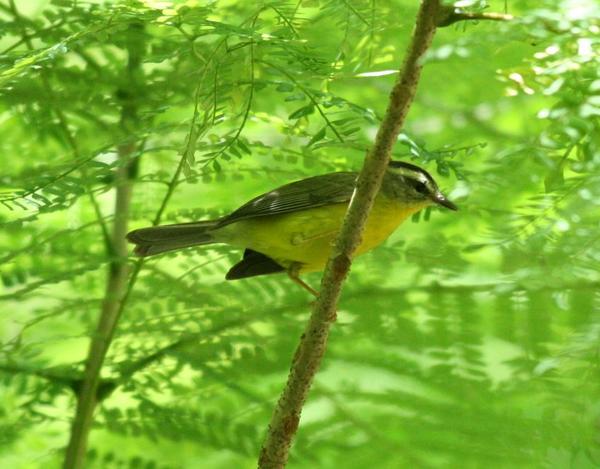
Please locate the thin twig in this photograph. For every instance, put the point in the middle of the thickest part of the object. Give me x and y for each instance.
(310, 351)
(450, 15)
(287, 22)
(309, 96)
(53, 377)
(35, 243)
(356, 13)
(246, 115)
(64, 126)
(27, 37)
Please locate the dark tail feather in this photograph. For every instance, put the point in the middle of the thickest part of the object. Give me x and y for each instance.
(157, 239)
(253, 264)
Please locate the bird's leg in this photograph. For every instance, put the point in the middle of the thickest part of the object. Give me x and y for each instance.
(304, 285)
(293, 275)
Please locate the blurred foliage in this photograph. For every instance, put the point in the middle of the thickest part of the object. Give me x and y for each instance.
(467, 340)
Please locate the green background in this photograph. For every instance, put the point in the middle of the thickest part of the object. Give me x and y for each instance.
(469, 339)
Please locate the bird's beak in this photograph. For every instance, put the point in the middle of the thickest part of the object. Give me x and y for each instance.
(441, 199)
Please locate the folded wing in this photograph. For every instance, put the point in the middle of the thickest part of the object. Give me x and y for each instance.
(327, 189)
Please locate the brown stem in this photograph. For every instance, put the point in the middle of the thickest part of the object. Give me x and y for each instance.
(116, 284)
(310, 351)
(450, 15)
(93, 388)
(115, 288)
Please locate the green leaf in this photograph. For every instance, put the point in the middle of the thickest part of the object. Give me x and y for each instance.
(302, 112)
(320, 135)
(285, 87)
(555, 179)
(243, 147)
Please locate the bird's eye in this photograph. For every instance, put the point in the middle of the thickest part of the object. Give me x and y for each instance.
(421, 188)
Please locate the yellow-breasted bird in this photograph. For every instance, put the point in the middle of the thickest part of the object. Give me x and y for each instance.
(291, 229)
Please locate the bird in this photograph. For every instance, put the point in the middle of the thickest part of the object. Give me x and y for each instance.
(292, 228)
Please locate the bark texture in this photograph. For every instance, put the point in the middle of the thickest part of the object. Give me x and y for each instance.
(310, 351)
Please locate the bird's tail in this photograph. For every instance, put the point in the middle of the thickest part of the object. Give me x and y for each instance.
(157, 239)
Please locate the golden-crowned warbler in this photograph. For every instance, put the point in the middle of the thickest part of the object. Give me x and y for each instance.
(292, 228)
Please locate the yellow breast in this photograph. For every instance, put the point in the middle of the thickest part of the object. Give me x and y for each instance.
(306, 237)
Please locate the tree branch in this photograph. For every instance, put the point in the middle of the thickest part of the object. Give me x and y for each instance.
(117, 273)
(310, 351)
(450, 15)
(94, 388)
(51, 376)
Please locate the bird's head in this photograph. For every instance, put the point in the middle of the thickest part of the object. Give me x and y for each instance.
(414, 185)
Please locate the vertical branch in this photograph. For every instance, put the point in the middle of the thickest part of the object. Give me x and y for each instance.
(118, 272)
(310, 351)
(119, 288)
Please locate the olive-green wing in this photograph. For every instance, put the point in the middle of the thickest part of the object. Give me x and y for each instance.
(317, 191)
